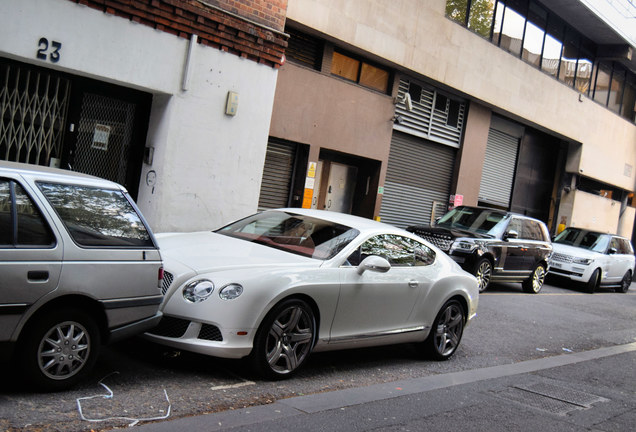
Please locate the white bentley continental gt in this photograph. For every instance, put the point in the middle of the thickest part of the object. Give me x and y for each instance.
(277, 285)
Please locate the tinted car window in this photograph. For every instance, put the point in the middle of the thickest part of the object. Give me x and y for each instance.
(532, 230)
(97, 217)
(590, 240)
(516, 225)
(29, 228)
(483, 221)
(399, 251)
(294, 233)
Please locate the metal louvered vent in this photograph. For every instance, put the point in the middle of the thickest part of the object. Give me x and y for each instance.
(433, 116)
(499, 169)
(103, 137)
(32, 111)
(277, 174)
(304, 49)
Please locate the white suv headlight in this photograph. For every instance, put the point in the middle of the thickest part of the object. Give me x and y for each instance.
(463, 246)
(198, 290)
(584, 261)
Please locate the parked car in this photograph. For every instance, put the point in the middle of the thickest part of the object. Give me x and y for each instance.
(277, 285)
(494, 245)
(78, 266)
(593, 259)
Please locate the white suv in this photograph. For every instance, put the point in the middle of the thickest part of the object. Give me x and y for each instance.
(78, 266)
(593, 258)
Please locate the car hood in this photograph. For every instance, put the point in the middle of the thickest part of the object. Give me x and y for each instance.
(208, 251)
(573, 251)
(448, 232)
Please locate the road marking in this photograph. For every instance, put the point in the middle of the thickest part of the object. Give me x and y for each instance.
(231, 386)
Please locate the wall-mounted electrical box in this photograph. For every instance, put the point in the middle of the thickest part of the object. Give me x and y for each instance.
(231, 106)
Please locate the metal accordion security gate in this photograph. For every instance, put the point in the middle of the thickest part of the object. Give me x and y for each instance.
(33, 106)
(277, 174)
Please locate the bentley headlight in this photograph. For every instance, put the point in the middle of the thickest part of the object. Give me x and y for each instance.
(198, 290)
(584, 261)
(231, 291)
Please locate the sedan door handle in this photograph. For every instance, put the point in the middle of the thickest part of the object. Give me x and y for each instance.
(413, 284)
(38, 276)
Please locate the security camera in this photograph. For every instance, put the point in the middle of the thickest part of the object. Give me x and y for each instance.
(408, 102)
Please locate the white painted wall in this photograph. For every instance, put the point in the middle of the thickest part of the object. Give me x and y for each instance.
(208, 165)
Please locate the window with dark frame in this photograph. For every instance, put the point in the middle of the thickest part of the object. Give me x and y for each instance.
(526, 29)
(359, 71)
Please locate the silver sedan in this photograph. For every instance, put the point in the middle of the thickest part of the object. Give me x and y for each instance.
(280, 284)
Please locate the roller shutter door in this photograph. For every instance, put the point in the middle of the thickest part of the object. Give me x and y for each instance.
(418, 175)
(499, 169)
(277, 175)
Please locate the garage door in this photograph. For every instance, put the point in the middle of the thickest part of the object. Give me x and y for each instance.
(418, 175)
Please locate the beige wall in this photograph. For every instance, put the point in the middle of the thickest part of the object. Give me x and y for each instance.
(585, 210)
(317, 109)
(472, 153)
(417, 35)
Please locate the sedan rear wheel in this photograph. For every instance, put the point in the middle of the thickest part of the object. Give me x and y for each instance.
(59, 349)
(447, 331)
(534, 283)
(284, 340)
(625, 282)
(483, 272)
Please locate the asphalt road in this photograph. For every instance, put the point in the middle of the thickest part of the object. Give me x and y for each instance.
(146, 381)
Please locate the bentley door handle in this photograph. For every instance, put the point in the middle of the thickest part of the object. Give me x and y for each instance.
(413, 284)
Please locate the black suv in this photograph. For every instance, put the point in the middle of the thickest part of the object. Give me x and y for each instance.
(494, 245)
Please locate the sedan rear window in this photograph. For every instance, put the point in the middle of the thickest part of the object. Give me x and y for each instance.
(97, 216)
(294, 233)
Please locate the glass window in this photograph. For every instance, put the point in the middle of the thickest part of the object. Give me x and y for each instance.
(345, 67)
(293, 233)
(532, 230)
(569, 57)
(616, 90)
(472, 219)
(397, 250)
(97, 217)
(602, 83)
(360, 72)
(373, 77)
(30, 227)
(517, 226)
(456, 10)
(514, 23)
(553, 47)
(481, 16)
(6, 220)
(534, 35)
(629, 102)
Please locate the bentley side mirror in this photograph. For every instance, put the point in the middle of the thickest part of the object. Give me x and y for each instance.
(374, 263)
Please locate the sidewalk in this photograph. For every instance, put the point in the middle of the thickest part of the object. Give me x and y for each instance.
(592, 390)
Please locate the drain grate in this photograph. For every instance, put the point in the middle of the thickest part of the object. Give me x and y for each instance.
(549, 397)
(574, 397)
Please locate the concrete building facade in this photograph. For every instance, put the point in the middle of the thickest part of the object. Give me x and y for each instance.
(470, 114)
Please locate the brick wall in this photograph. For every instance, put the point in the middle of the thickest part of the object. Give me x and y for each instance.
(213, 26)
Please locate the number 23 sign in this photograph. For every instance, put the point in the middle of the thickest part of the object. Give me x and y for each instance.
(49, 50)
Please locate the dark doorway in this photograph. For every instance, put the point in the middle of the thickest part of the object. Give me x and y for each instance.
(537, 167)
